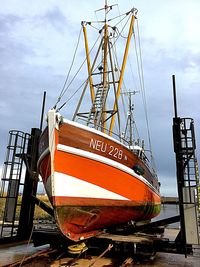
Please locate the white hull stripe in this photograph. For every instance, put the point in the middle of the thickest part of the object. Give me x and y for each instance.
(104, 160)
(69, 186)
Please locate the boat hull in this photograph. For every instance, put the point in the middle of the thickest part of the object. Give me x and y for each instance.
(92, 191)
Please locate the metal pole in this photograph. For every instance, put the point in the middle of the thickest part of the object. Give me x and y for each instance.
(179, 168)
(42, 113)
(30, 186)
(174, 93)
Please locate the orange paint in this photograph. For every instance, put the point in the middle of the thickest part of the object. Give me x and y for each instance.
(105, 176)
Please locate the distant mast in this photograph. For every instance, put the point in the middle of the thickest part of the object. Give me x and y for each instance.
(130, 119)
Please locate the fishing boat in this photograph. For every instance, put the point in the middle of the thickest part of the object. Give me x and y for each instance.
(96, 172)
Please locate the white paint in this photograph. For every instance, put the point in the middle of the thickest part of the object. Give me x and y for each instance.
(66, 185)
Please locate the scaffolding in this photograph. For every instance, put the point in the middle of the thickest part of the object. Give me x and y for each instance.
(187, 177)
(189, 182)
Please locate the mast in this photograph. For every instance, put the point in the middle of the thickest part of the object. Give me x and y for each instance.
(102, 117)
(103, 74)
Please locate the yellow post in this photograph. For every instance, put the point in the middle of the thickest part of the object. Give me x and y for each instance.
(88, 62)
(105, 46)
(122, 72)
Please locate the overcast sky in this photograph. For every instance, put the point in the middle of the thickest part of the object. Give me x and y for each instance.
(37, 40)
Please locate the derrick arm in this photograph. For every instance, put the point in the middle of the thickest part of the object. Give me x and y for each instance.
(87, 81)
(88, 62)
(122, 72)
(105, 45)
(114, 82)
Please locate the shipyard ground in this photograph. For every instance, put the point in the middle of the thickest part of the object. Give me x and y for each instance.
(13, 257)
(21, 254)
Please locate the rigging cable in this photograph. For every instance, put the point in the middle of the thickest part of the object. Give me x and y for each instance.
(72, 95)
(63, 91)
(124, 85)
(114, 50)
(75, 77)
(141, 74)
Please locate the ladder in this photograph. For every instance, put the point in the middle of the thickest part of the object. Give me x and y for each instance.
(187, 179)
(190, 164)
(12, 183)
(95, 114)
(19, 185)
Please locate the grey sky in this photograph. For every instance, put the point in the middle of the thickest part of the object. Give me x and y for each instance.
(37, 41)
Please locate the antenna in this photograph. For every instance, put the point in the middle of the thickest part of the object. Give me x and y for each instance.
(106, 8)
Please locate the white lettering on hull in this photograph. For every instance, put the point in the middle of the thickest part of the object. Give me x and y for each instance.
(103, 147)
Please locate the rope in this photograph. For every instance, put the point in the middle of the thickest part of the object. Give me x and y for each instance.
(110, 246)
(76, 75)
(63, 91)
(124, 105)
(141, 76)
(28, 243)
(71, 96)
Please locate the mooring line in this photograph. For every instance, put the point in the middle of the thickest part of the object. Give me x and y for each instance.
(101, 255)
